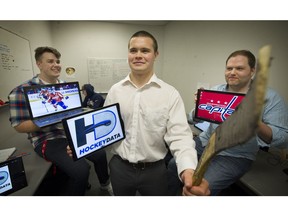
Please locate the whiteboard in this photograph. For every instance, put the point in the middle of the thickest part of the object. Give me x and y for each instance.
(103, 73)
(15, 62)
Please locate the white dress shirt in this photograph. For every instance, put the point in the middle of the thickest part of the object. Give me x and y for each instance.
(153, 115)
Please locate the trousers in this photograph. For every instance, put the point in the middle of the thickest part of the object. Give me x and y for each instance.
(77, 171)
(99, 160)
(127, 179)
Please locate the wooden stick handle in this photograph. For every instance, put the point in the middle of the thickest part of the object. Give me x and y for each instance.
(203, 163)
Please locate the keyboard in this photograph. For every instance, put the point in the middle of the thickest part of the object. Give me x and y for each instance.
(56, 118)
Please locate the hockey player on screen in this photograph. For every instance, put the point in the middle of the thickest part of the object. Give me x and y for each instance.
(54, 98)
(44, 94)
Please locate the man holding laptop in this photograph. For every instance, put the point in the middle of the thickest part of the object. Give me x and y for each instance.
(229, 165)
(49, 142)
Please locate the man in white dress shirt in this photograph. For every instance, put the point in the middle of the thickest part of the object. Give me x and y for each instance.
(154, 116)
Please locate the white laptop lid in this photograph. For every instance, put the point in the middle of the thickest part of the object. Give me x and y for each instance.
(6, 153)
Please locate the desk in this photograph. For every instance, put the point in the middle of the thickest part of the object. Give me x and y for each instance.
(35, 166)
(266, 177)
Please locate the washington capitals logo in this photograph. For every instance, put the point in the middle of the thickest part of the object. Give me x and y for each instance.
(224, 111)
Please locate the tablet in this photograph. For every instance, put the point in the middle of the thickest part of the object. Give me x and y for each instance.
(216, 106)
(94, 130)
(12, 176)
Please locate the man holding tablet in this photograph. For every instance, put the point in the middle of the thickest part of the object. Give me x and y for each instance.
(49, 142)
(229, 165)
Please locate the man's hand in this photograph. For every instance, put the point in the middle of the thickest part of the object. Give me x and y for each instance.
(189, 189)
(69, 151)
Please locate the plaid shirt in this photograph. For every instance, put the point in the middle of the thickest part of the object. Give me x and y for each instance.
(20, 113)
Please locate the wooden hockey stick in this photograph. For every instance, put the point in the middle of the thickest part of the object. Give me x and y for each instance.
(243, 123)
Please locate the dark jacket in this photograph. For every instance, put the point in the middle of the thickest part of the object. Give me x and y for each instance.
(92, 100)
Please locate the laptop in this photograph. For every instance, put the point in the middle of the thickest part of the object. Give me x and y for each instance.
(49, 104)
(216, 106)
(12, 176)
(94, 130)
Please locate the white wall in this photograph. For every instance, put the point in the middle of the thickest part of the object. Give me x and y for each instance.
(190, 51)
(78, 40)
(196, 51)
(37, 32)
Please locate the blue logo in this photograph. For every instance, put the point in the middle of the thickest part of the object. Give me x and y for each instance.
(103, 124)
(3, 177)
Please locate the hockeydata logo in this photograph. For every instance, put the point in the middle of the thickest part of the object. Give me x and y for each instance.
(224, 111)
(3, 177)
(5, 181)
(103, 125)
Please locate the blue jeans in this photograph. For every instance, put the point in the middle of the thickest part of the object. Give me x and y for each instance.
(221, 172)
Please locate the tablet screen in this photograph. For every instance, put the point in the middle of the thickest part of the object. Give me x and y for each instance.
(216, 106)
(94, 130)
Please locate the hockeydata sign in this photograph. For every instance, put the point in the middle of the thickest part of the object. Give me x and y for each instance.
(216, 106)
(5, 181)
(94, 130)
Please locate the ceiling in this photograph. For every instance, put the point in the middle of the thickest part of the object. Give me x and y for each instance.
(143, 22)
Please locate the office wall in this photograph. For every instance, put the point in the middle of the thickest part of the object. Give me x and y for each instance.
(196, 51)
(15, 61)
(191, 52)
(37, 32)
(79, 40)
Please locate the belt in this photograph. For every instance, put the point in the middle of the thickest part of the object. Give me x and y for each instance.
(139, 165)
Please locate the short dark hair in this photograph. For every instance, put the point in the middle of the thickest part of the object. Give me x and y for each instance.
(143, 33)
(87, 86)
(40, 50)
(247, 53)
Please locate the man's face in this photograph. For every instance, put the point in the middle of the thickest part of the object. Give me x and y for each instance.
(84, 92)
(141, 55)
(49, 65)
(238, 73)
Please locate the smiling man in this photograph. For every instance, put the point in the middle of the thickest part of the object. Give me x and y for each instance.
(154, 116)
(50, 142)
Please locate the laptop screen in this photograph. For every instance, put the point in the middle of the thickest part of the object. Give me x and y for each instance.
(91, 131)
(53, 98)
(216, 106)
(12, 176)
